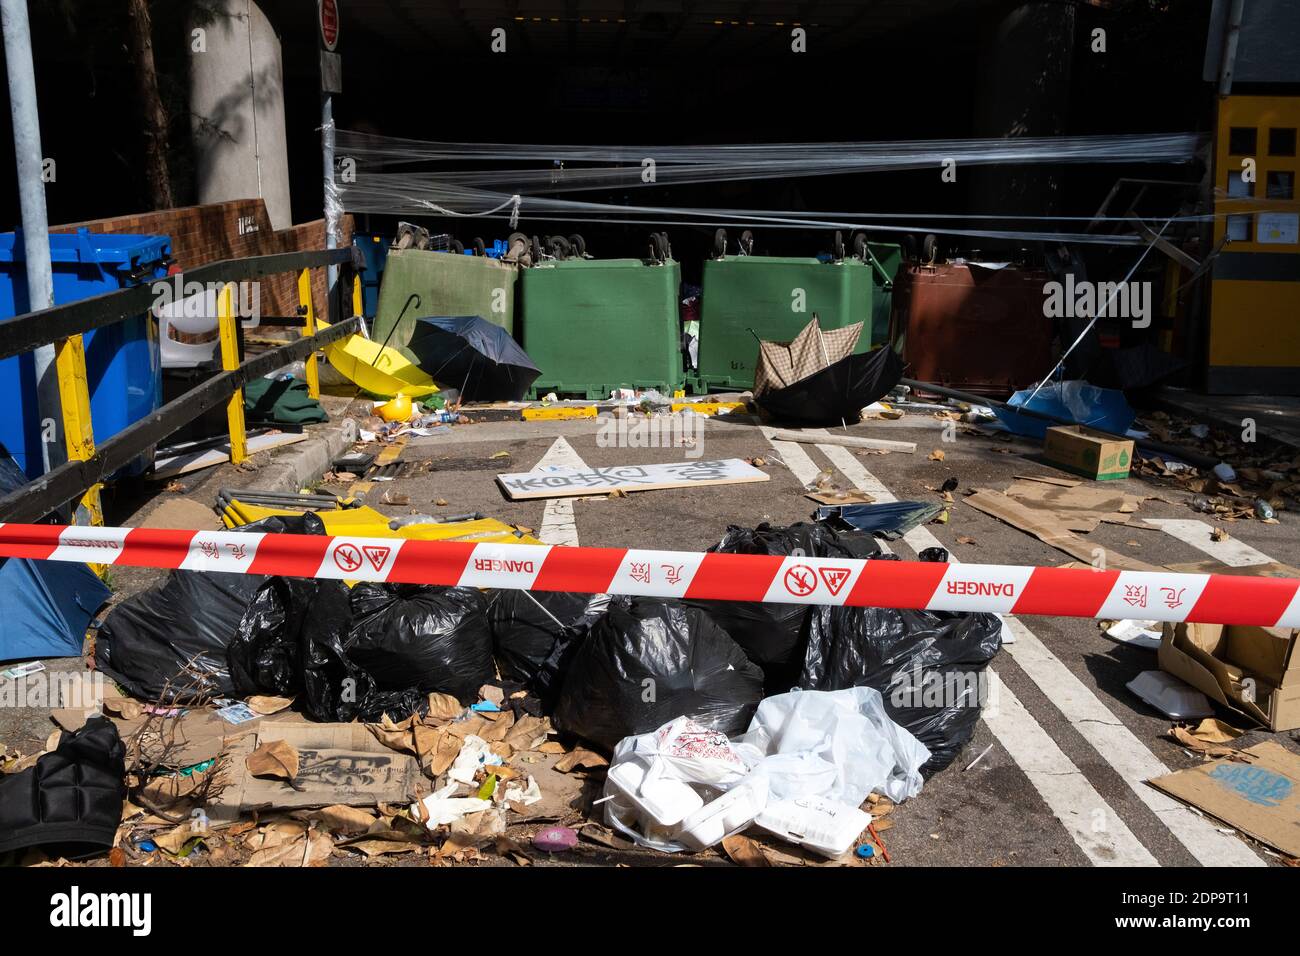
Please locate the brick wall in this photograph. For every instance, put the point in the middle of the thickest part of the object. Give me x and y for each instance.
(231, 230)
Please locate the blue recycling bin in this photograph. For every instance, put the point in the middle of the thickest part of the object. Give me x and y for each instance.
(374, 252)
(123, 364)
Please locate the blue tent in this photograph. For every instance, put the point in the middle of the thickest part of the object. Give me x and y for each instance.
(45, 605)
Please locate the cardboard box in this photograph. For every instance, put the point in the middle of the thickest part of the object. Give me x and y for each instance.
(1086, 452)
(1247, 669)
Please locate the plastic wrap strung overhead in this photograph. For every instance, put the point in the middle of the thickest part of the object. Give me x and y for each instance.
(628, 166)
(392, 196)
(393, 176)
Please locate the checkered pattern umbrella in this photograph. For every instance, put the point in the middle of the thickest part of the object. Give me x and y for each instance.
(781, 364)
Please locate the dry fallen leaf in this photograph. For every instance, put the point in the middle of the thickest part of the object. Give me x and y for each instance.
(744, 852)
(341, 819)
(965, 539)
(277, 759)
(936, 455)
(1218, 534)
(266, 706)
(580, 758)
(311, 849)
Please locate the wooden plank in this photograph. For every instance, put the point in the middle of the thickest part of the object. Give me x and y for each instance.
(568, 482)
(849, 441)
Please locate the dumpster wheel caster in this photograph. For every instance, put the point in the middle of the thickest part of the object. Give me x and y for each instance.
(747, 242)
(837, 247)
(719, 243)
(929, 249)
(579, 245)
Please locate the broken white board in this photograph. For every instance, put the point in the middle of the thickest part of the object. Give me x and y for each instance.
(186, 462)
(566, 482)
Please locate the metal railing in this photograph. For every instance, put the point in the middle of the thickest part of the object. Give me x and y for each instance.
(82, 476)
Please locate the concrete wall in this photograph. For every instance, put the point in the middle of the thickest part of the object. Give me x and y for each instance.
(237, 108)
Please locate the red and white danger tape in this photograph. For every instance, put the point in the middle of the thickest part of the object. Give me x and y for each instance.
(1003, 589)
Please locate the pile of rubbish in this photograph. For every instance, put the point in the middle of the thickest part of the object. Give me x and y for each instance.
(380, 719)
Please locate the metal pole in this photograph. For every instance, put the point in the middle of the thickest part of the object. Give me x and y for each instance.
(331, 200)
(31, 198)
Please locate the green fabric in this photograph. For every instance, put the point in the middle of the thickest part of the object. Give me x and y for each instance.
(284, 401)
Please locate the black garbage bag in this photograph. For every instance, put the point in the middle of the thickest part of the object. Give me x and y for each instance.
(649, 661)
(71, 797)
(530, 646)
(361, 653)
(435, 639)
(148, 642)
(928, 666)
(772, 634)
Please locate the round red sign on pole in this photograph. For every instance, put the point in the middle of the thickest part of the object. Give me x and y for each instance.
(329, 23)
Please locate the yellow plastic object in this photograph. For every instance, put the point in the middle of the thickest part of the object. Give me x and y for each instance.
(708, 408)
(395, 409)
(366, 522)
(558, 413)
(484, 529)
(377, 369)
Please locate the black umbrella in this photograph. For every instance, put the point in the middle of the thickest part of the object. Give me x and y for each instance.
(473, 355)
(837, 392)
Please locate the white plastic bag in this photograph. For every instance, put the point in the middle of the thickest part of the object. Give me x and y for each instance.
(847, 729)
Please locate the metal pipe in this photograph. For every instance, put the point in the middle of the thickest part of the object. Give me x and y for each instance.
(331, 198)
(1160, 448)
(31, 198)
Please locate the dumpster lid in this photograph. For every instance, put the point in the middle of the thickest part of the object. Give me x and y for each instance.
(113, 250)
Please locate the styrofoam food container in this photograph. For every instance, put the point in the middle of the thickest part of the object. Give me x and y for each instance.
(728, 814)
(667, 802)
(825, 826)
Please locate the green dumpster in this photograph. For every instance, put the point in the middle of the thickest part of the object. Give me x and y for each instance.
(776, 296)
(447, 284)
(594, 325)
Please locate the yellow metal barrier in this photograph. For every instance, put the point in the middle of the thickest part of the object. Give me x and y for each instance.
(308, 328)
(228, 326)
(74, 399)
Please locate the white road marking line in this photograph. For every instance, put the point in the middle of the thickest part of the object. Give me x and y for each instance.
(1121, 748)
(1230, 551)
(1097, 830)
(558, 523)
